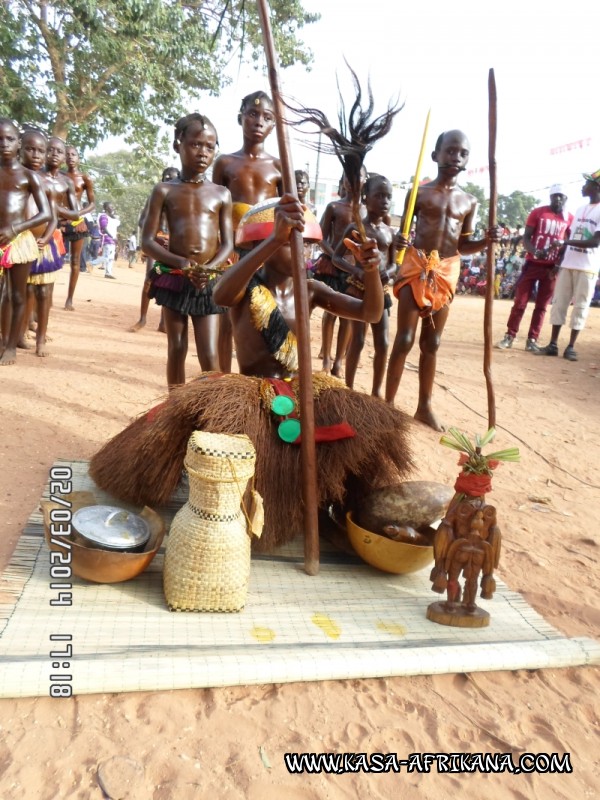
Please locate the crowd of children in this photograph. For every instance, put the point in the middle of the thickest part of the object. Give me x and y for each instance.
(188, 229)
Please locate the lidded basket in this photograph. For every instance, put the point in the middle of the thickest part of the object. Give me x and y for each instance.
(207, 557)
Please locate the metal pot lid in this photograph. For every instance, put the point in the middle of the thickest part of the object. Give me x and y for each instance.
(111, 527)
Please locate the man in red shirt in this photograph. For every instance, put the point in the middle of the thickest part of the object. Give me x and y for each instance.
(546, 229)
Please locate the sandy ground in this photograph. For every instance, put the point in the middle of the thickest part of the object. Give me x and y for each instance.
(229, 743)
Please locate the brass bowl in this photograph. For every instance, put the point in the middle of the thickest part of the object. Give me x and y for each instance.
(100, 565)
(398, 558)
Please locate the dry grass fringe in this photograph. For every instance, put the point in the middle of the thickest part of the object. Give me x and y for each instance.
(143, 463)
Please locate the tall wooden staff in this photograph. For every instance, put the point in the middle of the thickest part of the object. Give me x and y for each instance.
(491, 253)
(307, 445)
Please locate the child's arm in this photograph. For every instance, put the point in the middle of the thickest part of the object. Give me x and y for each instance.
(466, 245)
(342, 248)
(218, 173)
(151, 227)
(90, 196)
(52, 225)
(225, 233)
(401, 242)
(72, 212)
(389, 267)
(370, 308)
(231, 286)
(44, 214)
(327, 229)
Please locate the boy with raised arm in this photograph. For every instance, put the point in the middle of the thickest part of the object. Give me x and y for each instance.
(260, 286)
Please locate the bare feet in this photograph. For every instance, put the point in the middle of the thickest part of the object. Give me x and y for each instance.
(337, 370)
(138, 325)
(326, 365)
(69, 306)
(427, 417)
(161, 328)
(8, 357)
(41, 350)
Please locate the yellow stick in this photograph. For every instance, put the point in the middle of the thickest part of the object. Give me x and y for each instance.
(413, 192)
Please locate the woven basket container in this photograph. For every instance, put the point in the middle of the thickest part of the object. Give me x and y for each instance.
(207, 557)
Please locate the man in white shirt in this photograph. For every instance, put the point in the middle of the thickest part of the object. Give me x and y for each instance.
(108, 223)
(578, 270)
(131, 250)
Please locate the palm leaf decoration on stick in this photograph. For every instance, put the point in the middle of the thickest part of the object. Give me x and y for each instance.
(356, 136)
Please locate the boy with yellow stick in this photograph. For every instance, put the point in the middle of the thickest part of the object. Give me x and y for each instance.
(429, 273)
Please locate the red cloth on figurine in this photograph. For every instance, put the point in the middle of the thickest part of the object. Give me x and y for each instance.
(472, 484)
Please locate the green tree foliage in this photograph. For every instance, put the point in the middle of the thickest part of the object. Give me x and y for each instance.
(514, 209)
(87, 69)
(126, 179)
(483, 206)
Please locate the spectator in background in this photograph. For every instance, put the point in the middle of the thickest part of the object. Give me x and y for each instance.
(578, 270)
(108, 222)
(545, 231)
(131, 249)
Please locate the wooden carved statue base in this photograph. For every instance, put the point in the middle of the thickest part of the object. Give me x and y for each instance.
(457, 615)
(467, 545)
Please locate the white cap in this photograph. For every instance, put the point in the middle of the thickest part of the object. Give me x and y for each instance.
(557, 189)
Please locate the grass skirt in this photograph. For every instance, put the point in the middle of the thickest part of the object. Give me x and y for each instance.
(143, 464)
(21, 250)
(50, 261)
(189, 300)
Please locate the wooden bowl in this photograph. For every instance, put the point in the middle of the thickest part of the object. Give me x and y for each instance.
(99, 565)
(398, 558)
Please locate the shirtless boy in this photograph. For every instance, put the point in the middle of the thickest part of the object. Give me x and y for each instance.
(269, 265)
(334, 222)
(40, 285)
(76, 234)
(251, 175)
(17, 244)
(198, 215)
(428, 276)
(378, 200)
(168, 174)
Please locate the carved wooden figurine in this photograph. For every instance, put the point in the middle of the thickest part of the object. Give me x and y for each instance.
(467, 542)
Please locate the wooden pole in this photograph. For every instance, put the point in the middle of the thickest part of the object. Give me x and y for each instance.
(307, 445)
(491, 254)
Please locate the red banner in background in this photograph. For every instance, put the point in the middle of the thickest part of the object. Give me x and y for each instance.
(565, 148)
(477, 170)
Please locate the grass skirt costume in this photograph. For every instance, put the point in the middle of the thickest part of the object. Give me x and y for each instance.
(143, 464)
(49, 262)
(356, 288)
(362, 442)
(325, 272)
(170, 288)
(74, 230)
(432, 279)
(21, 250)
